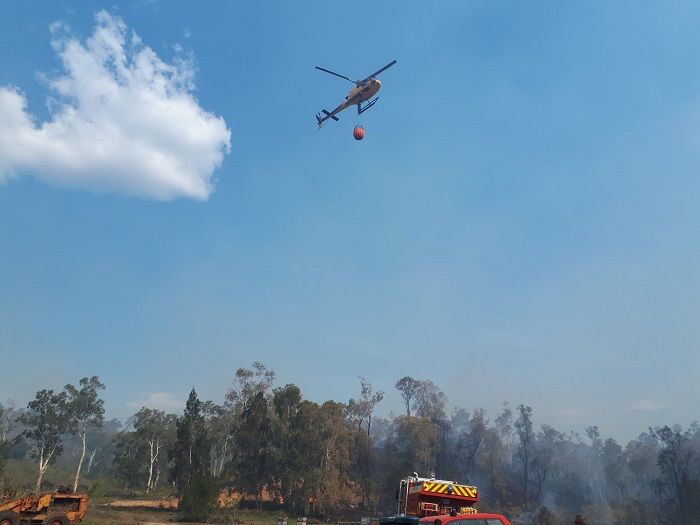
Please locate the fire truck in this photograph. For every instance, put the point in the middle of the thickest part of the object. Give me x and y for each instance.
(432, 497)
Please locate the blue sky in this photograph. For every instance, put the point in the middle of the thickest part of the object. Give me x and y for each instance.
(520, 223)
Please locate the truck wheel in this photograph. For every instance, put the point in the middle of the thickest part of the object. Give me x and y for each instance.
(56, 519)
(9, 518)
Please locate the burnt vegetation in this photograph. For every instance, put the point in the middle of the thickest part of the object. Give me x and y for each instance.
(265, 446)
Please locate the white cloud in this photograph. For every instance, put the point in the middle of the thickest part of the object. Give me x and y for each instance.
(122, 120)
(160, 400)
(647, 405)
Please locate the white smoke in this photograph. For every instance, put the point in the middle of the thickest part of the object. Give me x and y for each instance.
(122, 120)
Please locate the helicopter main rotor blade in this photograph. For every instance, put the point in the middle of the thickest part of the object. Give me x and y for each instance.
(382, 69)
(336, 74)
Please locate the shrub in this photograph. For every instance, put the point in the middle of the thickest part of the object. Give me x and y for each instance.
(198, 500)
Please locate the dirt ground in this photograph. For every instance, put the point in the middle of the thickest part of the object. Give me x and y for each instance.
(159, 503)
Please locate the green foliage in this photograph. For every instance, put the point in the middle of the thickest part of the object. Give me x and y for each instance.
(85, 407)
(285, 430)
(129, 460)
(4, 449)
(191, 452)
(98, 489)
(86, 411)
(198, 499)
(408, 388)
(247, 385)
(154, 430)
(255, 464)
(412, 442)
(430, 401)
(47, 421)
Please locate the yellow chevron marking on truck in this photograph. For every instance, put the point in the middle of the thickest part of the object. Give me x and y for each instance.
(444, 488)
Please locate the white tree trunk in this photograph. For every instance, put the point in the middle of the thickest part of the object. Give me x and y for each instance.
(43, 465)
(9, 410)
(80, 463)
(222, 459)
(154, 447)
(92, 457)
(151, 460)
(37, 488)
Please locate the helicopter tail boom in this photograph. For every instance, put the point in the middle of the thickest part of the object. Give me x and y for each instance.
(321, 120)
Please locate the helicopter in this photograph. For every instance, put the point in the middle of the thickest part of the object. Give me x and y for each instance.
(363, 91)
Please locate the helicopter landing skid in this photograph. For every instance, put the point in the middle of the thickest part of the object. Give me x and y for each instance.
(361, 110)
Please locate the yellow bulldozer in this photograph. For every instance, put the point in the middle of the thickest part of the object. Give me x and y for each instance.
(52, 508)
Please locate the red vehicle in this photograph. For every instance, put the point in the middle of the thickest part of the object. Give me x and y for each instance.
(475, 518)
(433, 497)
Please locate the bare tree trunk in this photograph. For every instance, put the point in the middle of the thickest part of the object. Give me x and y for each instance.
(150, 467)
(365, 496)
(92, 457)
(154, 444)
(222, 459)
(43, 465)
(37, 487)
(9, 410)
(80, 464)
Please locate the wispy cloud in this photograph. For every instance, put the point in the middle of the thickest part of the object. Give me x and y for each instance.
(647, 405)
(160, 400)
(122, 120)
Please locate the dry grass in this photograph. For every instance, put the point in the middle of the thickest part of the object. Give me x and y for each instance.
(99, 515)
(104, 515)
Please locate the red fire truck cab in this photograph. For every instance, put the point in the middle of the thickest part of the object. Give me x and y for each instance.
(475, 518)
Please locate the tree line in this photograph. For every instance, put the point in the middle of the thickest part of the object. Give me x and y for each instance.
(269, 444)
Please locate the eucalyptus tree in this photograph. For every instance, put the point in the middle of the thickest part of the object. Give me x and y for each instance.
(526, 436)
(471, 440)
(8, 414)
(411, 443)
(675, 462)
(101, 442)
(408, 388)
(255, 462)
(247, 384)
(4, 444)
(86, 411)
(546, 446)
(285, 431)
(361, 410)
(191, 453)
(430, 401)
(154, 430)
(221, 424)
(47, 420)
(332, 484)
(130, 459)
